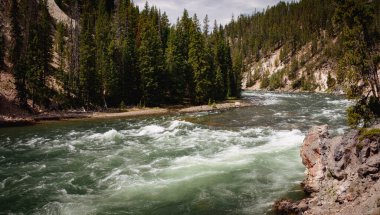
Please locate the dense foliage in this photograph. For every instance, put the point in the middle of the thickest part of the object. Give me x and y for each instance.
(115, 54)
(2, 48)
(343, 32)
(287, 25)
(359, 32)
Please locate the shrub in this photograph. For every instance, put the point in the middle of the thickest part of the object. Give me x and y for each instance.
(372, 134)
(275, 81)
(297, 84)
(364, 113)
(331, 82)
(292, 73)
(265, 81)
(308, 84)
(122, 105)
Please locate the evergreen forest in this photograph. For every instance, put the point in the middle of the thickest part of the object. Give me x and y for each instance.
(115, 54)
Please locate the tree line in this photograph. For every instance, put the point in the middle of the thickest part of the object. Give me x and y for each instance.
(113, 54)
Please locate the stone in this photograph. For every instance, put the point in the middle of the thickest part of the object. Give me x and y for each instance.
(365, 170)
(364, 154)
(375, 147)
(311, 157)
(338, 155)
(374, 161)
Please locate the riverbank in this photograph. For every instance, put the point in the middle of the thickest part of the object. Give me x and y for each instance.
(27, 120)
(342, 174)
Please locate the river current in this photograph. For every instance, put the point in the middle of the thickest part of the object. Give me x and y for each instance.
(230, 162)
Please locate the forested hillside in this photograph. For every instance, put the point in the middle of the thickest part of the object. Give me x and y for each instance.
(300, 45)
(113, 54)
(314, 45)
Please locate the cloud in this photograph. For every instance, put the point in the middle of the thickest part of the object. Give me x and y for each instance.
(220, 10)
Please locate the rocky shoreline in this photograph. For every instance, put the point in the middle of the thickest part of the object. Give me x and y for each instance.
(342, 174)
(27, 120)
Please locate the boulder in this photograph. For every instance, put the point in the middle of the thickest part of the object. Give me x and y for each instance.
(311, 154)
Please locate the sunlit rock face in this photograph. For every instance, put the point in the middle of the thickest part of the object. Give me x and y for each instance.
(342, 174)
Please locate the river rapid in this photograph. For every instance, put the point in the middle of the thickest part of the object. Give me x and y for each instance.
(231, 162)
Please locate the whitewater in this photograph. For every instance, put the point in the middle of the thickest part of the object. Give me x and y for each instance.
(222, 162)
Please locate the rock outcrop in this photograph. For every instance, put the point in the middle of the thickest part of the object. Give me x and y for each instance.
(58, 14)
(342, 175)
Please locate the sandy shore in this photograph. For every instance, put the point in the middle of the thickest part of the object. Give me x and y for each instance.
(7, 121)
(131, 113)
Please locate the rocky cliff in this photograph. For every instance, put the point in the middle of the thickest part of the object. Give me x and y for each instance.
(311, 71)
(342, 174)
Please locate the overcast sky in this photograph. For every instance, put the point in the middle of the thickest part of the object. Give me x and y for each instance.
(220, 10)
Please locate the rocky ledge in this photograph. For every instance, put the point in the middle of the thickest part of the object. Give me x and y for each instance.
(342, 174)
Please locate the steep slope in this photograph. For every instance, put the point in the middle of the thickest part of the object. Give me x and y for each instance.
(272, 73)
(301, 46)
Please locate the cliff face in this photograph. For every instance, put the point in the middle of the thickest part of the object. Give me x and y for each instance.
(312, 66)
(342, 175)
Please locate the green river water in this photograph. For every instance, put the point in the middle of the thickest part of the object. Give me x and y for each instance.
(231, 162)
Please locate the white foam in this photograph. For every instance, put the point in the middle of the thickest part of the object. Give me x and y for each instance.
(178, 124)
(273, 95)
(342, 102)
(115, 173)
(331, 114)
(109, 135)
(71, 147)
(151, 130)
(66, 208)
(42, 167)
(34, 142)
(252, 131)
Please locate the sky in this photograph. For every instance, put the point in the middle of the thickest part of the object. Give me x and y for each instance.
(220, 10)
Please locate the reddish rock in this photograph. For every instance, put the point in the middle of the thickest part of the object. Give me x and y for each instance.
(311, 157)
(342, 175)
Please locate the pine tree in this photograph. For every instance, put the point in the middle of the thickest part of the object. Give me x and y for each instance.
(354, 19)
(175, 67)
(164, 30)
(89, 81)
(150, 64)
(111, 79)
(233, 81)
(102, 40)
(2, 49)
(38, 54)
(60, 45)
(131, 83)
(15, 54)
(45, 48)
(206, 26)
(72, 80)
(184, 26)
(238, 69)
(199, 65)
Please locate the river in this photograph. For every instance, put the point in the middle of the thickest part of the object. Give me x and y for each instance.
(231, 162)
